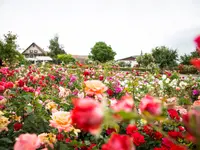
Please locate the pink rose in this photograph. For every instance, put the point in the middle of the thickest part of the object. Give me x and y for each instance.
(27, 142)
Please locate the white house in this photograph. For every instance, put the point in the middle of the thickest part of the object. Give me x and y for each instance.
(36, 54)
(130, 59)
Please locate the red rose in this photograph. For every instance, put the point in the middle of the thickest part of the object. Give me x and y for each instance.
(160, 148)
(178, 147)
(9, 85)
(20, 83)
(59, 136)
(87, 115)
(173, 114)
(151, 105)
(118, 142)
(67, 140)
(101, 77)
(110, 130)
(181, 128)
(130, 129)
(138, 139)
(175, 134)
(2, 88)
(2, 107)
(197, 41)
(166, 142)
(157, 135)
(148, 130)
(110, 92)
(195, 62)
(86, 72)
(17, 126)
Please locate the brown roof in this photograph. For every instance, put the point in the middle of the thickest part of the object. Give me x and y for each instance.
(131, 58)
(80, 58)
(37, 47)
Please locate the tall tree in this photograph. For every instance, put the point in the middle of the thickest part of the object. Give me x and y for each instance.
(102, 52)
(145, 60)
(165, 57)
(8, 49)
(55, 47)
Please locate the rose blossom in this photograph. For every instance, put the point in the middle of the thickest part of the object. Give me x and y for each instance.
(48, 139)
(3, 122)
(118, 142)
(197, 41)
(87, 115)
(151, 105)
(130, 129)
(62, 121)
(94, 87)
(195, 92)
(138, 138)
(126, 103)
(27, 142)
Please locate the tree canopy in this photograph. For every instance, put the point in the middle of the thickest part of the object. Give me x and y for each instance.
(102, 52)
(165, 57)
(8, 49)
(55, 48)
(145, 60)
(66, 58)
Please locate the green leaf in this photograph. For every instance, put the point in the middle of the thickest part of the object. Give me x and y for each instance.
(128, 115)
(5, 140)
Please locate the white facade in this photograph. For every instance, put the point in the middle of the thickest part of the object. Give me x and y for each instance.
(35, 54)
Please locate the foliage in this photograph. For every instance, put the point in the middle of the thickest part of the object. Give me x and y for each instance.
(185, 59)
(145, 60)
(165, 57)
(102, 52)
(124, 64)
(188, 69)
(8, 49)
(66, 58)
(55, 48)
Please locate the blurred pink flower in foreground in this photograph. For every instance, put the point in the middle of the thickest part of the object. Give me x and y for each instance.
(151, 105)
(27, 142)
(126, 103)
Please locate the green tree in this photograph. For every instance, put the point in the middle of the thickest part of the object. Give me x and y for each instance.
(8, 49)
(185, 59)
(55, 48)
(66, 58)
(102, 52)
(145, 60)
(165, 57)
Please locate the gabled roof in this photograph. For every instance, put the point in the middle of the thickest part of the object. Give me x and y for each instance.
(129, 58)
(37, 47)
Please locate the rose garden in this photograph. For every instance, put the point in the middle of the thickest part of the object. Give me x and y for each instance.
(92, 107)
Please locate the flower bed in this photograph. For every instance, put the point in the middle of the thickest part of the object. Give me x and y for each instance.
(89, 109)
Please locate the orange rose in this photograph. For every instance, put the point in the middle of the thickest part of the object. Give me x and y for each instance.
(94, 87)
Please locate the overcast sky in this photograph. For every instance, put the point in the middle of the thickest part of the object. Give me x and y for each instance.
(129, 26)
